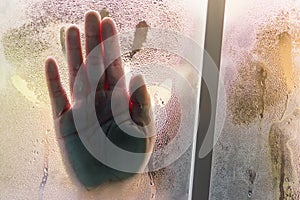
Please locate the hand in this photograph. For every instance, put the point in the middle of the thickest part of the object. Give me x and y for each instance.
(89, 170)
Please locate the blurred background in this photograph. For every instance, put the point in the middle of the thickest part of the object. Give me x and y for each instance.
(257, 154)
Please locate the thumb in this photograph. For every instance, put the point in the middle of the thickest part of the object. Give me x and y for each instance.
(140, 102)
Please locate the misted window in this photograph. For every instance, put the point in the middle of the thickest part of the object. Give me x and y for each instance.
(32, 165)
(257, 153)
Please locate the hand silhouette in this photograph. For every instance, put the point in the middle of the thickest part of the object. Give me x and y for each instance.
(90, 171)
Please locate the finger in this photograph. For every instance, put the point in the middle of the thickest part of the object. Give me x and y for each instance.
(140, 101)
(92, 31)
(112, 54)
(58, 96)
(94, 61)
(74, 53)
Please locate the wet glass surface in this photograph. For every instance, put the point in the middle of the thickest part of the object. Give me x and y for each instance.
(257, 153)
(31, 164)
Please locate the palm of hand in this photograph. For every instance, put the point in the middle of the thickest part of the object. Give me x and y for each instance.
(89, 170)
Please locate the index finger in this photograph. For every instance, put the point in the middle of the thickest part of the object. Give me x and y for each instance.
(112, 54)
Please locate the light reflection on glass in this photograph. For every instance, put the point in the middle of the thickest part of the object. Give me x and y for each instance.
(257, 154)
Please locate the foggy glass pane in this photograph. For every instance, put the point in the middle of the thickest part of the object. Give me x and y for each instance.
(31, 165)
(257, 153)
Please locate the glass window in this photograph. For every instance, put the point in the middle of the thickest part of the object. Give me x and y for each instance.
(31, 164)
(257, 154)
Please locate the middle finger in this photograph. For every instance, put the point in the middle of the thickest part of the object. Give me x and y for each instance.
(94, 61)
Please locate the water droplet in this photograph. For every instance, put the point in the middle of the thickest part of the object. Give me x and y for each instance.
(250, 193)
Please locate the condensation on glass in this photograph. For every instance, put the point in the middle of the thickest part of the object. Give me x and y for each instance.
(31, 166)
(257, 153)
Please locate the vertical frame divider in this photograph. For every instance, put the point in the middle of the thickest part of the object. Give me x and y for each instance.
(208, 99)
